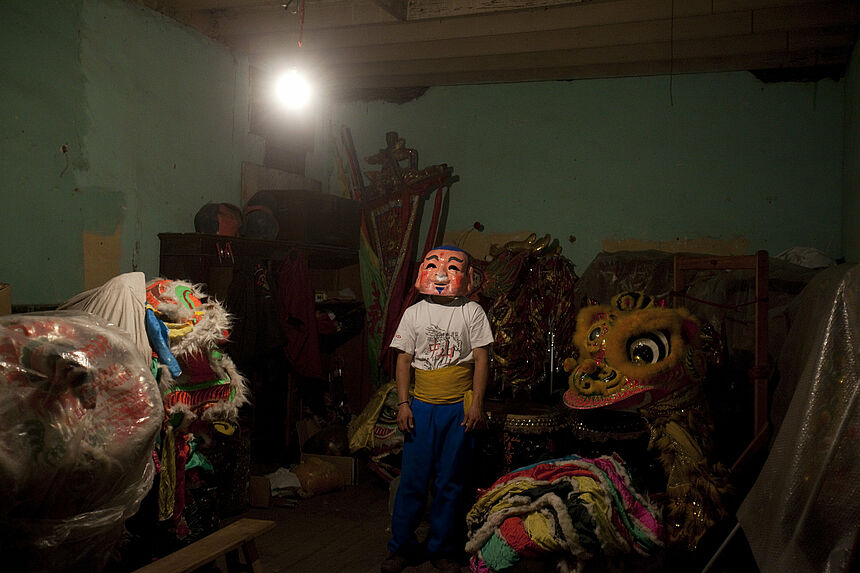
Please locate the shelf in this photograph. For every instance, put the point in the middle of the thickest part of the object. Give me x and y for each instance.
(226, 250)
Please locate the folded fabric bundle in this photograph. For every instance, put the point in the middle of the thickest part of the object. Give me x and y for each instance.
(573, 506)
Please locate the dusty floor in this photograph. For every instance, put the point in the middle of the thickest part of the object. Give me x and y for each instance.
(347, 531)
(342, 531)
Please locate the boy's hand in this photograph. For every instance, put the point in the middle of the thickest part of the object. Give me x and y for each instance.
(404, 418)
(403, 378)
(475, 419)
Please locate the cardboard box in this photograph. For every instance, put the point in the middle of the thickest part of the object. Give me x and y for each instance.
(345, 465)
(5, 298)
(330, 282)
(260, 491)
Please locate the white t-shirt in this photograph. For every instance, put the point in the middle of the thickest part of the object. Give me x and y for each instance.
(440, 335)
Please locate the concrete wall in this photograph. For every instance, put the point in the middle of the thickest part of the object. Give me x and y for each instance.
(851, 187)
(713, 160)
(118, 124)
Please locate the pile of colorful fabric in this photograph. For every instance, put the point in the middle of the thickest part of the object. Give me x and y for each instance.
(557, 509)
(202, 392)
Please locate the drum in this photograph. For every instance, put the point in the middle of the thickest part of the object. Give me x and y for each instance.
(523, 432)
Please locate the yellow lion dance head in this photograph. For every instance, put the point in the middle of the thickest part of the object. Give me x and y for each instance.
(632, 352)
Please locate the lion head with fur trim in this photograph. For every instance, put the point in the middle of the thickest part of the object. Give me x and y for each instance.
(632, 352)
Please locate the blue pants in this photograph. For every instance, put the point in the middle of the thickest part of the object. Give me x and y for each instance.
(438, 448)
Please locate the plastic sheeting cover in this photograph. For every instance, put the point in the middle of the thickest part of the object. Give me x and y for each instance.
(79, 414)
(122, 302)
(803, 512)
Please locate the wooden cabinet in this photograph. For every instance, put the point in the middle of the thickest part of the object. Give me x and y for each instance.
(217, 262)
(211, 259)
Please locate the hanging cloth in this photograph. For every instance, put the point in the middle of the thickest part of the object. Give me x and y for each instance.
(297, 314)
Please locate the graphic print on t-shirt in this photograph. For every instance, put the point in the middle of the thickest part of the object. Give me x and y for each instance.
(442, 347)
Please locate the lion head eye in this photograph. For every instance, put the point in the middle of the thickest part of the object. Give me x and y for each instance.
(648, 348)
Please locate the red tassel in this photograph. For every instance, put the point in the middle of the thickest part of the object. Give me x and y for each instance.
(301, 23)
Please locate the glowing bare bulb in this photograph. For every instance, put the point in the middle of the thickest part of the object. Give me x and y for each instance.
(293, 90)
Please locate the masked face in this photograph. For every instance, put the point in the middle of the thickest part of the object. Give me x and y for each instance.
(444, 272)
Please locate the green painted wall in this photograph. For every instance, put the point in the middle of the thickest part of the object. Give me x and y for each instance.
(693, 156)
(851, 189)
(41, 90)
(154, 120)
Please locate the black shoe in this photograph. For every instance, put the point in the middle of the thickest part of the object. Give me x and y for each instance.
(394, 563)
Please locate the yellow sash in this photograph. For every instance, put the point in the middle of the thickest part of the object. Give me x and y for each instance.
(447, 385)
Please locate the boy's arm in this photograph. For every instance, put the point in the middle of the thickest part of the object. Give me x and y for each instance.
(475, 415)
(403, 378)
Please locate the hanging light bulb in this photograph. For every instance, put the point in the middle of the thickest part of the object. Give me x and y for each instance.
(293, 90)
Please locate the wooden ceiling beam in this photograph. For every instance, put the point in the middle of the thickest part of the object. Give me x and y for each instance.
(259, 25)
(732, 5)
(683, 26)
(364, 44)
(397, 8)
(400, 9)
(529, 25)
(805, 16)
(430, 9)
(822, 38)
(274, 19)
(642, 67)
(367, 16)
(730, 25)
(589, 37)
(192, 5)
(773, 42)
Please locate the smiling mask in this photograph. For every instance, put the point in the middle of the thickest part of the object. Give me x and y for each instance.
(445, 271)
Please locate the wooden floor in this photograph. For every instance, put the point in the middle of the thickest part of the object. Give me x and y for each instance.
(338, 532)
(347, 531)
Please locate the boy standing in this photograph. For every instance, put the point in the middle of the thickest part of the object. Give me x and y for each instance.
(445, 338)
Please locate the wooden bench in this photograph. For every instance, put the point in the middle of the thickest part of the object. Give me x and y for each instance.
(225, 542)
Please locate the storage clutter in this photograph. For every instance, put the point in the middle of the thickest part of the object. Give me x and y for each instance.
(200, 458)
(78, 421)
(204, 452)
(324, 466)
(311, 217)
(295, 215)
(321, 447)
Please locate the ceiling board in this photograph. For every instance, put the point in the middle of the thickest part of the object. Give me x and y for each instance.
(359, 45)
(397, 8)
(429, 9)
